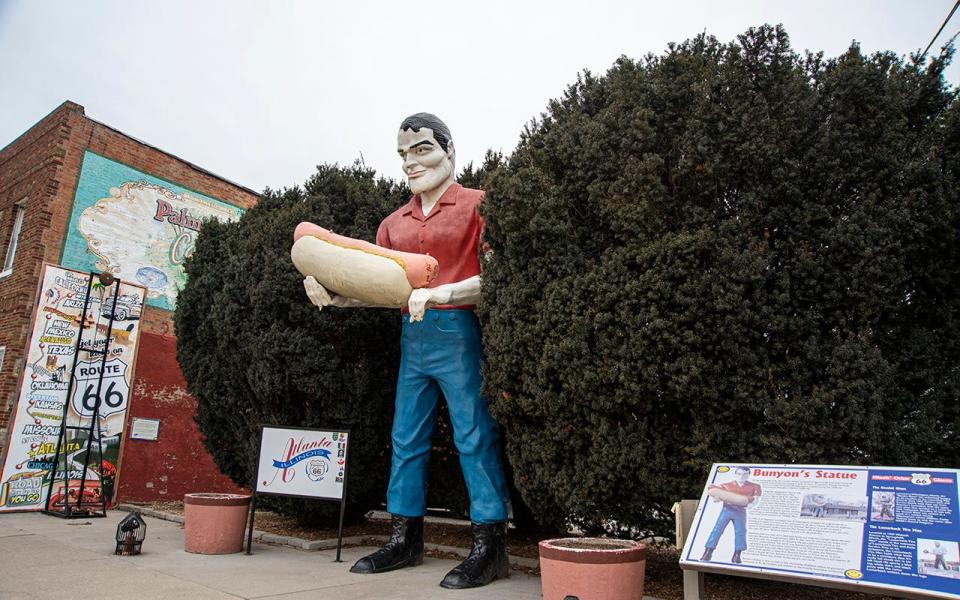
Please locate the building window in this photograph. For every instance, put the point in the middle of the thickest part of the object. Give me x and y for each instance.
(3, 352)
(14, 238)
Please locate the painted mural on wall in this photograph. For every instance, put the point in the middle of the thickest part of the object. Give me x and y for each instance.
(138, 227)
(44, 398)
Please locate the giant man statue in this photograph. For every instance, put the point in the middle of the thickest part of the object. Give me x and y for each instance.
(441, 352)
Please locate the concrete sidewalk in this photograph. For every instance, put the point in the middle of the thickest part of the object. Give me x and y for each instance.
(45, 557)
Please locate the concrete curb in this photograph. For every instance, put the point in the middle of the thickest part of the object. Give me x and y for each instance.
(264, 537)
(149, 512)
(260, 536)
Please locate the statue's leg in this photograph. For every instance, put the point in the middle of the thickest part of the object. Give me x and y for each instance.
(475, 433)
(413, 424)
(722, 520)
(414, 421)
(477, 439)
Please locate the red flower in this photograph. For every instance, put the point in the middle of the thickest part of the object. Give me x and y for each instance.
(108, 469)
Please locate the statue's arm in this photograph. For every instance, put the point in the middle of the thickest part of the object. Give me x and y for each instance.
(460, 292)
(322, 297)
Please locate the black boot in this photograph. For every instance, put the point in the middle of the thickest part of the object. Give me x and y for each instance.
(736, 557)
(487, 559)
(405, 548)
(707, 555)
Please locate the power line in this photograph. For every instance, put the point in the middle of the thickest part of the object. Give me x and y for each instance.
(939, 31)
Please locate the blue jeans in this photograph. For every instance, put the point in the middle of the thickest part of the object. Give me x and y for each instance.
(443, 353)
(738, 515)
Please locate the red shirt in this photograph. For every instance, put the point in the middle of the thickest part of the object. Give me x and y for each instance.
(450, 234)
(749, 489)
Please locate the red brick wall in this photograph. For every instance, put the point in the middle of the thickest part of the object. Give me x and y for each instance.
(177, 463)
(30, 169)
(42, 167)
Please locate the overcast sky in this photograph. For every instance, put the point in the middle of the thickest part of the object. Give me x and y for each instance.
(261, 92)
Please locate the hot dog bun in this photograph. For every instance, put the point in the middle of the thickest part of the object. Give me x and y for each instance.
(729, 497)
(358, 269)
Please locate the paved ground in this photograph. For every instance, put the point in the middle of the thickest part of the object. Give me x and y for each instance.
(45, 557)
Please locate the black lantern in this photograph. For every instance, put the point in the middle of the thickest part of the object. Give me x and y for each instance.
(130, 533)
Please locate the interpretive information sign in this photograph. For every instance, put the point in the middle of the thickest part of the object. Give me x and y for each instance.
(884, 528)
(44, 399)
(302, 462)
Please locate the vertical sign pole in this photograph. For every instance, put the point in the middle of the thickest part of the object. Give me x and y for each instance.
(253, 494)
(97, 402)
(253, 515)
(343, 506)
(693, 588)
(343, 497)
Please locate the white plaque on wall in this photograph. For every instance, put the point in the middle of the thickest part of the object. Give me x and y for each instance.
(145, 429)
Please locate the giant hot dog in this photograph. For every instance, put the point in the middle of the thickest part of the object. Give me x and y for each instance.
(729, 497)
(356, 269)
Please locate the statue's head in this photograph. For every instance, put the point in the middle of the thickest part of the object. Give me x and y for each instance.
(426, 148)
(742, 474)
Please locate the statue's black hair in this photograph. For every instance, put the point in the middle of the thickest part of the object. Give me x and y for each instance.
(441, 132)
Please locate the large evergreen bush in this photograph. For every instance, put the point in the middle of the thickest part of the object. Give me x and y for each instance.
(730, 252)
(255, 351)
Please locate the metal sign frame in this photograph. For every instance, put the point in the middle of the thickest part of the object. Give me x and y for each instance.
(83, 509)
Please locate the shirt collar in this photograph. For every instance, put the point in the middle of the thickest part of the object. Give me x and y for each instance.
(413, 208)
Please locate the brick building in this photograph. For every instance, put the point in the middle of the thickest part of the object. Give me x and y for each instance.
(46, 175)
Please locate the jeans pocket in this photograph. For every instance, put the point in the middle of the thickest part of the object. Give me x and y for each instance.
(446, 329)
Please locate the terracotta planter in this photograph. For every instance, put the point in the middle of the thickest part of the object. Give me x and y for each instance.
(214, 523)
(592, 569)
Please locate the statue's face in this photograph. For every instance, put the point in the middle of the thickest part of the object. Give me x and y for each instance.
(426, 164)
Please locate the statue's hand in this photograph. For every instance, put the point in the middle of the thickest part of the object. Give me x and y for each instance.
(418, 303)
(319, 295)
(423, 298)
